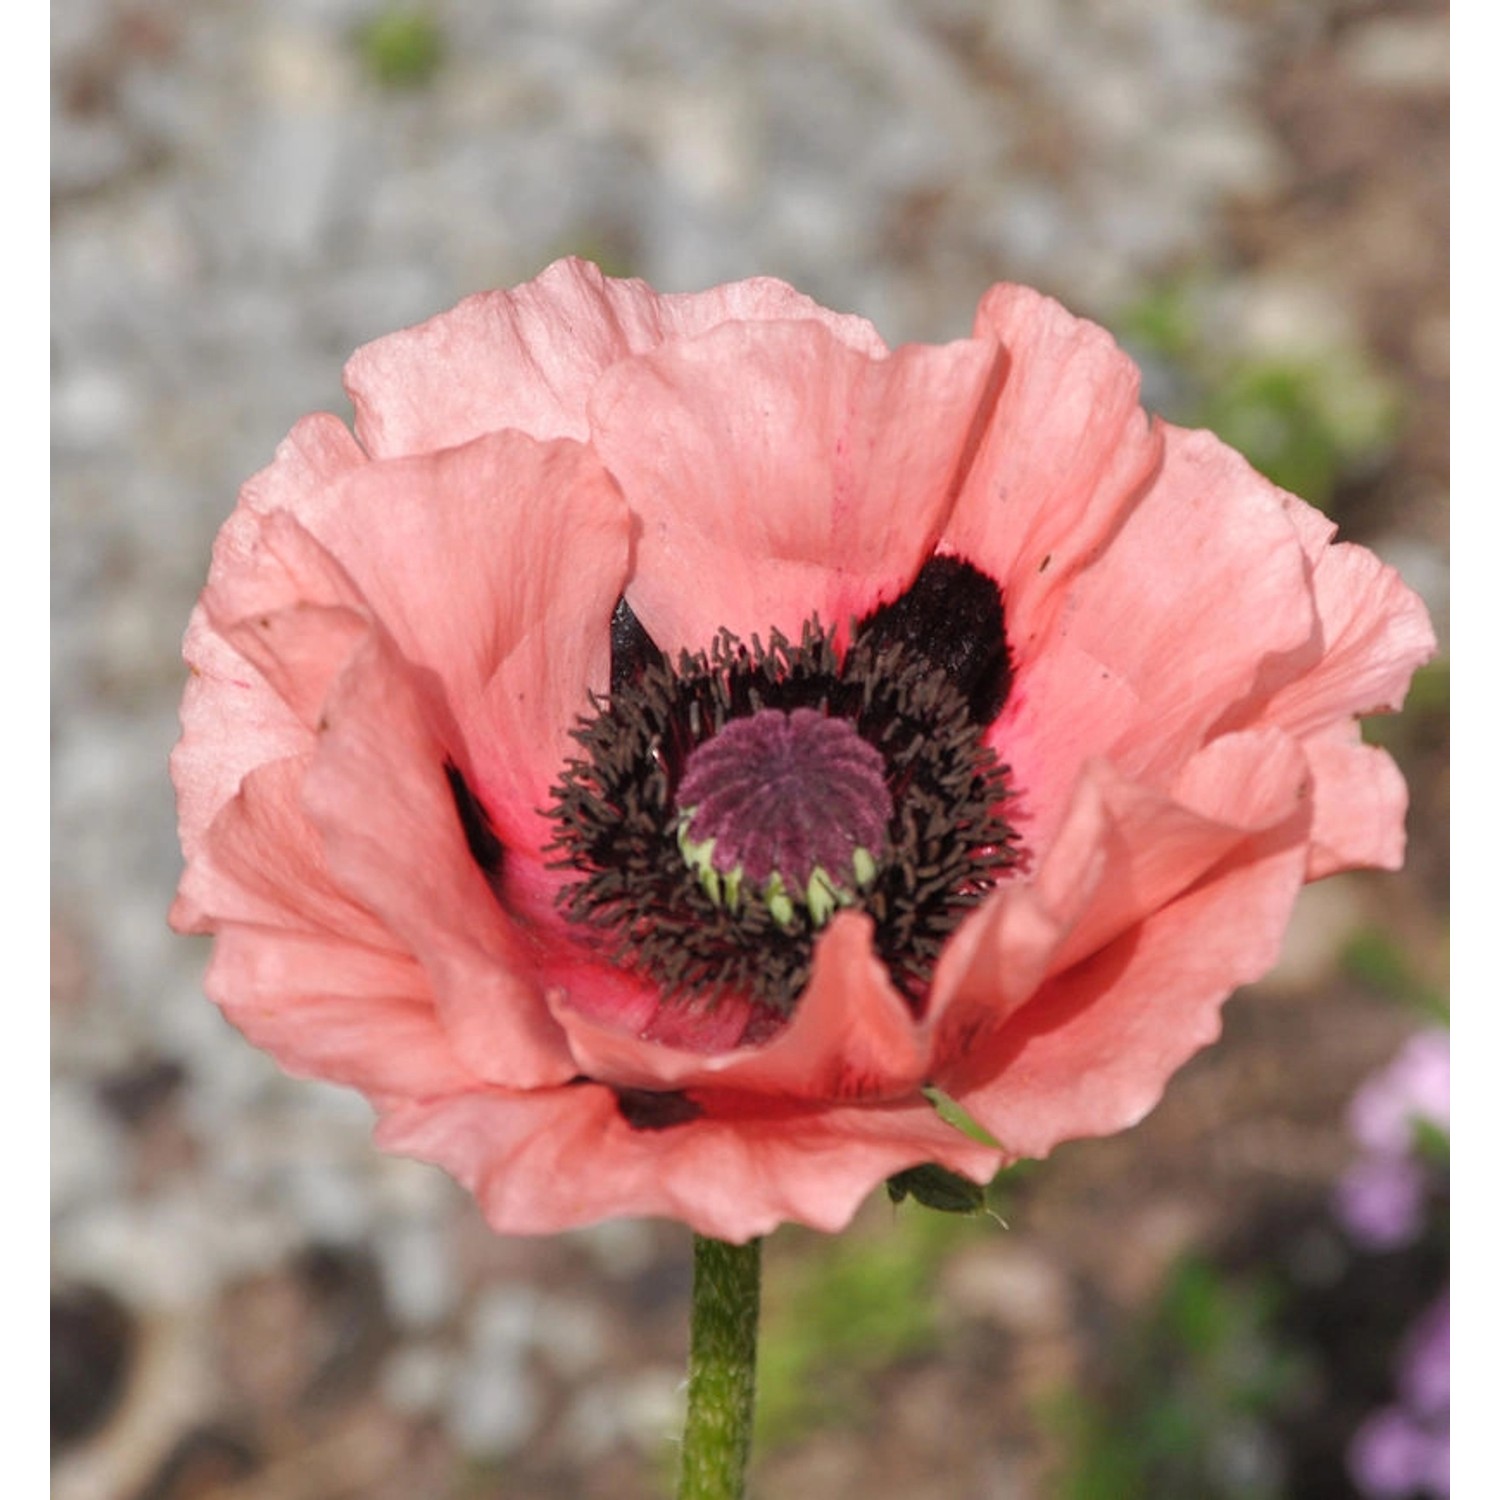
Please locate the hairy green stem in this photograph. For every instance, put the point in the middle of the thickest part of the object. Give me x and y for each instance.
(721, 1370)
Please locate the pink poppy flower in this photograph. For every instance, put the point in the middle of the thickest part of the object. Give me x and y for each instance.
(671, 733)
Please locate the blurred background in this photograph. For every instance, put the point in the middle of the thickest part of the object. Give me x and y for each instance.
(1238, 1300)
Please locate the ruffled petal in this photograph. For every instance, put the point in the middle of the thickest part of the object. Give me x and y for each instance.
(519, 635)
(529, 358)
(262, 865)
(325, 1008)
(1375, 634)
(378, 793)
(261, 860)
(796, 473)
(555, 1159)
(1240, 785)
(314, 454)
(300, 651)
(1202, 596)
(620, 1027)
(1091, 1053)
(1066, 454)
(232, 720)
(302, 970)
(996, 960)
(1123, 851)
(268, 561)
(852, 1037)
(1359, 804)
(460, 554)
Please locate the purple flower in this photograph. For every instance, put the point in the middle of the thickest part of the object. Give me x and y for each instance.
(1393, 1456)
(1413, 1087)
(1379, 1201)
(1424, 1362)
(1402, 1450)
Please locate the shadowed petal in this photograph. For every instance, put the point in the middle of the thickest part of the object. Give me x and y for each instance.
(852, 1037)
(329, 1009)
(1092, 1052)
(378, 792)
(554, 1159)
(1123, 851)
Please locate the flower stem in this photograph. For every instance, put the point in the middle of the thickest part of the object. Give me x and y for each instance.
(721, 1370)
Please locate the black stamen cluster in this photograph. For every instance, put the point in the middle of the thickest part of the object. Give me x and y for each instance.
(617, 816)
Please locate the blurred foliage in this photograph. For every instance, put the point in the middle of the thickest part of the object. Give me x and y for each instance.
(1185, 1410)
(845, 1310)
(1164, 321)
(1433, 1145)
(1375, 959)
(840, 1311)
(401, 47)
(1303, 424)
(1308, 421)
(1429, 691)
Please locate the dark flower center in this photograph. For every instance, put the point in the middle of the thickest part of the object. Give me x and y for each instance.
(794, 802)
(723, 807)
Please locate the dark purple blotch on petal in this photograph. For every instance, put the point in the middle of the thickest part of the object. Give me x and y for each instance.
(631, 650)
(954, 616)
(479, 833)
(645, 1109)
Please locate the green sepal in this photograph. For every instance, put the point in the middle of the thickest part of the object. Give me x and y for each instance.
(951, 1112)
(937, 1187)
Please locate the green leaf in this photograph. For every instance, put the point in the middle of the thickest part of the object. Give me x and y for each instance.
(937, 1187)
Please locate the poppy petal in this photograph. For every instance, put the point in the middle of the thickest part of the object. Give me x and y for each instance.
(530, 358)
(799, 474)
